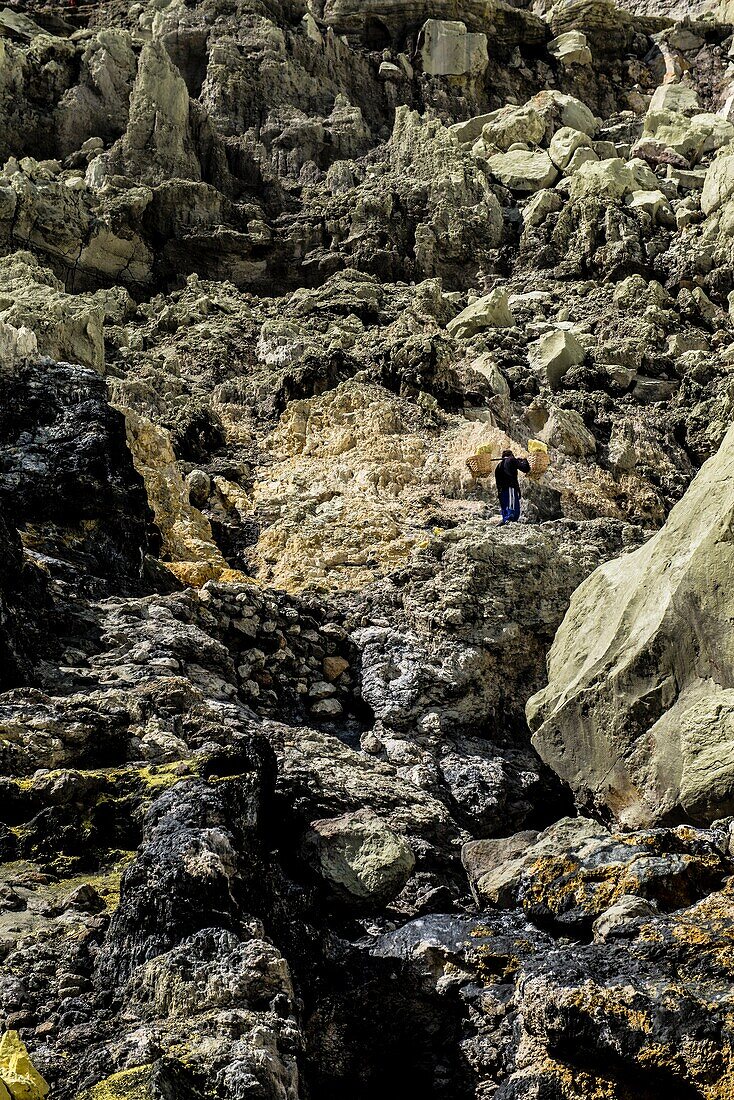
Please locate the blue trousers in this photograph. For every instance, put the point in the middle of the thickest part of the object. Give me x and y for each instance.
(510, 505)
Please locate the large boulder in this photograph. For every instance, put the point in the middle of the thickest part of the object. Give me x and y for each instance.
(360, 858)
(564, 144)
(570, 49)
(718, 185)
(490, 311)
(555, 354)
(447, 49)
(675, 132)
(638, 714)
(513, 124)
(524, 170)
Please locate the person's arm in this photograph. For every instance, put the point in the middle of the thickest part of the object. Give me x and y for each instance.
(523, 464)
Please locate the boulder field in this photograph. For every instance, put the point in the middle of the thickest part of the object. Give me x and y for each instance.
(314, 781)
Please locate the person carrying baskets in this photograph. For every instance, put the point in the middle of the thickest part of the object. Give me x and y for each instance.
(505, 473)
(508, 486)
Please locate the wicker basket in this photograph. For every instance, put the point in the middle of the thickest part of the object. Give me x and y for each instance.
(480, 465)
(539, 462)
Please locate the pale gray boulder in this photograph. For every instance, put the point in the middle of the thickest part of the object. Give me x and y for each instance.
(638, 713)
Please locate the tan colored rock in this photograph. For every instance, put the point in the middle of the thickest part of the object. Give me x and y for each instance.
(565, 143)
(653, 203)
(514, 124)
(470, 131)
(611, 178)
(680, 98)
(583, 155)
(623, 917)
(638, 714)
(565, 430)
(690, 137)
(561, 109)
(538, 208)
(188, 542)
(487, 367)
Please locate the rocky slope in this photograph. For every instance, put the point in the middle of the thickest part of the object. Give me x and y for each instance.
(271, 821)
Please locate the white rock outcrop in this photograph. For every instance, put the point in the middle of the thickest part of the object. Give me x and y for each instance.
(448, 49)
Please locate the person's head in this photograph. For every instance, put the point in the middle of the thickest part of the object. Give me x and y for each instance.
(507, 454)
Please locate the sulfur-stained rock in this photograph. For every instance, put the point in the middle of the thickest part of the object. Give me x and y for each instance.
(360, 858)
(623, 918)
(212, 968)
(187, 536)
(18, 1075)
(491, 311)
(267, 238)
(637, 715)
(522, 171)
(555, 354)
(561, 109)
(575, 870)
(669, 131)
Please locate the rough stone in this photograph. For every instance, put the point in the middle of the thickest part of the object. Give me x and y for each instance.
(491, 311)
(362, 859)
(447, 49)
(523, 171)
(570, 49)
(555, 354)
(639, 738)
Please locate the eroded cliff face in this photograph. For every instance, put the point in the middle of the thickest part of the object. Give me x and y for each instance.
(271, 822)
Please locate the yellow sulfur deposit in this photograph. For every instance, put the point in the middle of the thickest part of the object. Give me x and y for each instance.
(20, 1078)
(128, 1084)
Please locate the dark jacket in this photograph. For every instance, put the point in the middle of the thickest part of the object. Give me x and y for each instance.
(505, 473)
